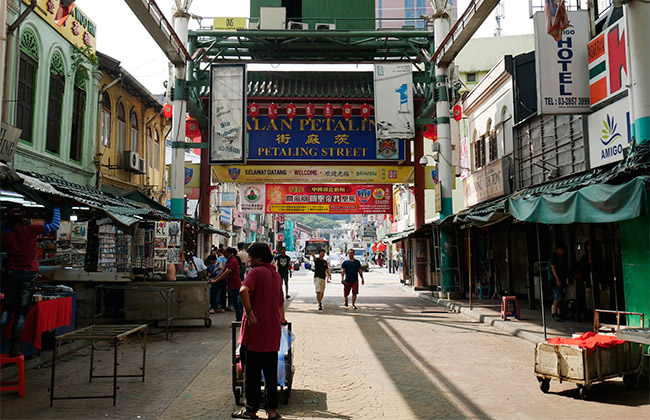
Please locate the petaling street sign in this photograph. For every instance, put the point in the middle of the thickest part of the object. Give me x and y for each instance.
(319, 139)
(329, 198)
(77, 28)
(389, 174)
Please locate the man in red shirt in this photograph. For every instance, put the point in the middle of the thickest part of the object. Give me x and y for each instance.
(233, 281)
(260, 332)
(19, 242)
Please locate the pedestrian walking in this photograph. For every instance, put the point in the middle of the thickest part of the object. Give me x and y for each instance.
(321, 275)
(19, 279)
(218, 289)
(243, 259)
(260, 333)
(283, 264)
(350, 272)
(557, 274)
(233, 281)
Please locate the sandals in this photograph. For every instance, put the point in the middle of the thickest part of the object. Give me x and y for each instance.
(243, 414)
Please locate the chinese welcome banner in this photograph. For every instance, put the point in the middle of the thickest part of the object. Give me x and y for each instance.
(329, 198)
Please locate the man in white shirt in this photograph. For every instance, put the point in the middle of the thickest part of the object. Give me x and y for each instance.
(194, 265)
(243, 257)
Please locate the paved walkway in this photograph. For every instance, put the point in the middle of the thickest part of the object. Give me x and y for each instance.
(396, 357)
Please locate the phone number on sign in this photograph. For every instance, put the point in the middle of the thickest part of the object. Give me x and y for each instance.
(570, 101)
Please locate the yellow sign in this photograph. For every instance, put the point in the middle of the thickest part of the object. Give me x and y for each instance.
(266, 174)
(430, 177)
(76, 27)
(300, 208)
(229, 23)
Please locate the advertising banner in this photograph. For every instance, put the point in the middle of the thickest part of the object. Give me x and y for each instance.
(486, 184)
(227, 113)
(325, 139)
(394, 101)
(304, 173)
(609, 133)
(228, 199)
(329, 198)
(251, 198)
(431, 177)
(561, 66)
(608, 63)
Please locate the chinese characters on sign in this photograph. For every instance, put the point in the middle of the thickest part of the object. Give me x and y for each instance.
(333, 199)
(302, 173)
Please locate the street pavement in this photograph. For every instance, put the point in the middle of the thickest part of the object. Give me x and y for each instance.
(398, 356)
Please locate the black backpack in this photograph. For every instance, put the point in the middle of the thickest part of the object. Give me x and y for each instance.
(242, 267)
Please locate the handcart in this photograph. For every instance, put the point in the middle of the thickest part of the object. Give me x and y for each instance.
(571, 363)
(238, 374)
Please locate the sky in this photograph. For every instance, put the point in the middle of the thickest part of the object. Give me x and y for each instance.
(121, 35)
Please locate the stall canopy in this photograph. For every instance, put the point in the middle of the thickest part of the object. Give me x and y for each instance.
(399, 236)
(601, 203)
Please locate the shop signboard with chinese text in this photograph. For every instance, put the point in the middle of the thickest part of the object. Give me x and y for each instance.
(318, 139)
(329, 198)
(76, 27)
(487, 183)
(252, 198)
(561, 66)
(227, 113)
(303, 173)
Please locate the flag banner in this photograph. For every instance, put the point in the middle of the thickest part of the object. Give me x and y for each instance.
(227, 113)
(252, 198)
(394, 101)
(557, 19)
(329, 198)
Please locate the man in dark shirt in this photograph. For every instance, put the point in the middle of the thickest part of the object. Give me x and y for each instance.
(19, 242)
(557, 275)
(350, 272)
(321, 273)
(233, 281)
(283, 264)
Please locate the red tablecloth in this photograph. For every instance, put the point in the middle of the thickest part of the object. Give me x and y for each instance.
(588, 340)
(44, 316)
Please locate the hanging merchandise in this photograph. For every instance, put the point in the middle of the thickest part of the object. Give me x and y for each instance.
(291, 111)
(192, 128)
(365, 111)
(310, 111)
(253, 110)
(107, 256)
(329, 111)
(273, 111)
(347, 111)
(167, 111)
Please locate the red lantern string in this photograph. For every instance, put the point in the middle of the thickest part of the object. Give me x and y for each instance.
(365, 111)
(310, 111)
(273, 111)
(167, 111)
(253, 110)
(291, 111)
(192, 128)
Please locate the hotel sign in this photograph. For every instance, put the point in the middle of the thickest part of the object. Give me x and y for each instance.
(319, 139)
(488, 183)
(77, 28)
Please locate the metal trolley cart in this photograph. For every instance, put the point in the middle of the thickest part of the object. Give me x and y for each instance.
(571, 363)
(238, 375)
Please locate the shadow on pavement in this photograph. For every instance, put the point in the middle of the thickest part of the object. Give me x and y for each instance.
(314, 401)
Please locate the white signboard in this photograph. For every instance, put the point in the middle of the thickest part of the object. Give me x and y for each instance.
(562, 66)
(8, 140)
(225, 215)
(486, 184)
(609, 133)
(252, 198)
(394, 101)
(227, 113)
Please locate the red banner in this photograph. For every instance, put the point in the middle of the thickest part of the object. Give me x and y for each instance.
(329, 198)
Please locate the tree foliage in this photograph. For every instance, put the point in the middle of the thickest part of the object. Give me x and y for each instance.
(317, 221)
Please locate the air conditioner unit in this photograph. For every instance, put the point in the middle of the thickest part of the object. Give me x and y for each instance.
(325, 26)
(141, 166)
(130, 161)
(297, 26)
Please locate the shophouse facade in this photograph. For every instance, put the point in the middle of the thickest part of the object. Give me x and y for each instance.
(131, 138)
(50, 91)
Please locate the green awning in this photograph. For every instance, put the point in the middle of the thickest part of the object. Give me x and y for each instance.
(602, 203)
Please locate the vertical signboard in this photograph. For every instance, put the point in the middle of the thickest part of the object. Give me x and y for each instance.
(227, 113)
(394, 101)
(561, 66)
(608, 63)
(609, 133)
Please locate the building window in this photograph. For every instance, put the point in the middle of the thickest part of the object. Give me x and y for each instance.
(134, 132)
(78, 111)
(55, 104)
(156, 151)
(106, 120)
(479, 153)
(494, 154)
(27, 68)
(149, 147)
(471, 77)
(121, 130)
